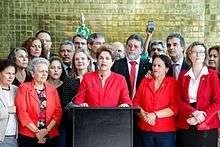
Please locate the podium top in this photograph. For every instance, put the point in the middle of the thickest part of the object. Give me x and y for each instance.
(135, 109)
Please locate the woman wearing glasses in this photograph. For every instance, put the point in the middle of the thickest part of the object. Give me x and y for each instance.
(200, 101)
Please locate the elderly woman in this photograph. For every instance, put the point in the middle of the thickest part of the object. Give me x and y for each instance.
(34, 47)
(8, 120)
(38, 108)
(103, 88)
(19, 56)
(200, 101)
(157, 97)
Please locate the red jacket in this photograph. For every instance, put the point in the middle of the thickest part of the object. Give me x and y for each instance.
(208, 100)
(28, 108)
(114, 92)
(150, 100)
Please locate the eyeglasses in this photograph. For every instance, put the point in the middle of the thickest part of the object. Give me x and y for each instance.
(197, 53)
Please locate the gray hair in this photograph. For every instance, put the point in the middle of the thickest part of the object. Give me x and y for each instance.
(36, 61)
(67, 42)
(12, 54)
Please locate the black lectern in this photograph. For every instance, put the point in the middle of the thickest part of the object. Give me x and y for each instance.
(103, 127)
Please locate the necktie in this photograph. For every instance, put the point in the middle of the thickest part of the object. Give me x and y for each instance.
(132, 76)
(175, 72)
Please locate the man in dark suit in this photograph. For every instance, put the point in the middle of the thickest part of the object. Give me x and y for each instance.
(132, 64)
(94, 41)
(175, 48)
(134, 48)
(66, 52)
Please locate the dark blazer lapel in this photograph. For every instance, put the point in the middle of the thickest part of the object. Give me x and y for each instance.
(124, 67)
(185, 65)
(141, 71)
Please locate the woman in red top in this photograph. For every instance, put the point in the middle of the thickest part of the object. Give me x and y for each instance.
(157, 98)
(103, 88)
(200, 101)
(38, 108)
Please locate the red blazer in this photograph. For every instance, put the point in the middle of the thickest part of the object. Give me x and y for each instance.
(28, 107)
(208, 100)
(114, 92)
(150, 100)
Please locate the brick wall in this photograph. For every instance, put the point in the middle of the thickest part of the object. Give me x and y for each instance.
(197, 20)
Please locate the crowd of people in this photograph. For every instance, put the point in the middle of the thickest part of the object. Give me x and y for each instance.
(176, 88)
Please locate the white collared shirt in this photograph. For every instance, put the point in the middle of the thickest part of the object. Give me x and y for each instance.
(178, 67)
(136, 74)
(194, 83)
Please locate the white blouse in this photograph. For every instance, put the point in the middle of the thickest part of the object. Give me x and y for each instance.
(194, 83)
(12, 122)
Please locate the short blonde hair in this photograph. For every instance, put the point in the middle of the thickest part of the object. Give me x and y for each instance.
(189, 50)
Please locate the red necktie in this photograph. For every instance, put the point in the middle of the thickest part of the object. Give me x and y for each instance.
(132, 76)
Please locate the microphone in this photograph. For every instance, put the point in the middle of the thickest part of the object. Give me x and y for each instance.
(71, 105)
(102, 78)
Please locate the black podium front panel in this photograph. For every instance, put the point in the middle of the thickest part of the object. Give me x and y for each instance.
(103, 127)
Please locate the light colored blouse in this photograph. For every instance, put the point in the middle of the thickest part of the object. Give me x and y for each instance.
(194, 83)
(8, 121)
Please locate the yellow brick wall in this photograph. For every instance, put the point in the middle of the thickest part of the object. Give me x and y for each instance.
(197, 20)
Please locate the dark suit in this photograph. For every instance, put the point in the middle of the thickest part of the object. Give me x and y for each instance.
(185, 65)
(121, 67)
(69, 90)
